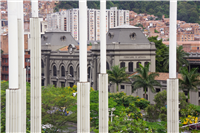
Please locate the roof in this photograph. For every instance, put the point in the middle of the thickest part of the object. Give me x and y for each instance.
(162, 76)
(182, 42)
(126, 34)
(65, 48)
(125, 26)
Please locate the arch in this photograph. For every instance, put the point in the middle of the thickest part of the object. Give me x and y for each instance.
(122, 64)
(42, 65)
(107, 66)
(130, 66)
(71, 71)
(89, 72)
(54, 70)
(62, 71)
(146, 63)
(138, 64)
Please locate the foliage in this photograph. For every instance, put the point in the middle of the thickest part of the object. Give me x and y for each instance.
(190, 80)
(180, 58)
(186, 10)
(1, 51)
(144, 80)
(56, 102)
(155, 31)
(159, 109)
(125, 100)
(4, 86)
(160, 127)
(117, 75)
(160, 49)
(122, 123)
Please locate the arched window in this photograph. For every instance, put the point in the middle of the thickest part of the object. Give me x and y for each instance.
(122, 64)
(54, 71)
(107, 66)
(130, 66)
(63, 71)
(138, 64)
(42, 65)
(71, 71)
(89, 72)
(146, 63)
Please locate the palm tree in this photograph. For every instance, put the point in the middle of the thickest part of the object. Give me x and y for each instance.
(117, 75)
(190, 80)
(144, 79)
(180, 58)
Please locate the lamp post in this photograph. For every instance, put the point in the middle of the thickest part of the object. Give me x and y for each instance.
(172, 82)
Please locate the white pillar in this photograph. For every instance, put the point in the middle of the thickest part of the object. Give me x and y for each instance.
(13, 95)
(103, 35)
(83, 102)
(172, 40)
(172, 82)
(34, 7)
(83, 40)
(103, 77)
(13, 44)
(35, 75)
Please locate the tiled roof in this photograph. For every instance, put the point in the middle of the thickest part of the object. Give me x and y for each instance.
(162, 76)
(77, 47)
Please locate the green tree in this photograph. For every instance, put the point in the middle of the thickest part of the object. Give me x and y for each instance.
(159, 110)
(117, 75)
(180, 58)
(144, 80)
(189, 80)
(160, 49)
(56, 103)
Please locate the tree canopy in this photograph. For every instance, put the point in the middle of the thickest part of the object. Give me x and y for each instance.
(187, 10)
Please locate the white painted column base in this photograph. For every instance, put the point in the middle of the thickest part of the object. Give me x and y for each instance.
(13, 110)
(83, 107)
(103, 103)
(172, 105)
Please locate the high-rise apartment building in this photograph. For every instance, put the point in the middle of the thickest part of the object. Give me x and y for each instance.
(68, 20)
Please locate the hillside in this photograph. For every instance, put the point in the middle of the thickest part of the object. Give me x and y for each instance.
(187, 11)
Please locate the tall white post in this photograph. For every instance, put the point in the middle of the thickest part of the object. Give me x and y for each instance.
(103, 77)
(83, 103)
(172, 82)
(35, 69)
(22, 84)
(13, 94)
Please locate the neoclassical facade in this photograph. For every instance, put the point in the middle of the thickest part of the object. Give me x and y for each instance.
(127, 46)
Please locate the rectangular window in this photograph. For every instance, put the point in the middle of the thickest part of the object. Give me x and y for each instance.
(199, 94)
(157, 89)
(122, 86)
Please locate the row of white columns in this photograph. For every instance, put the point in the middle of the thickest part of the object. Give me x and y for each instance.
(16, 94)
(14, 112)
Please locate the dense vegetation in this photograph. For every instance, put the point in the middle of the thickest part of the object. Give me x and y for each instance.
(188, 11)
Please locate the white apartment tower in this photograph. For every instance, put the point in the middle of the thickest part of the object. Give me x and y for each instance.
(69, 21)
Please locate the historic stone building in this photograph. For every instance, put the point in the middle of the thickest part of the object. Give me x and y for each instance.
(126, 46)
